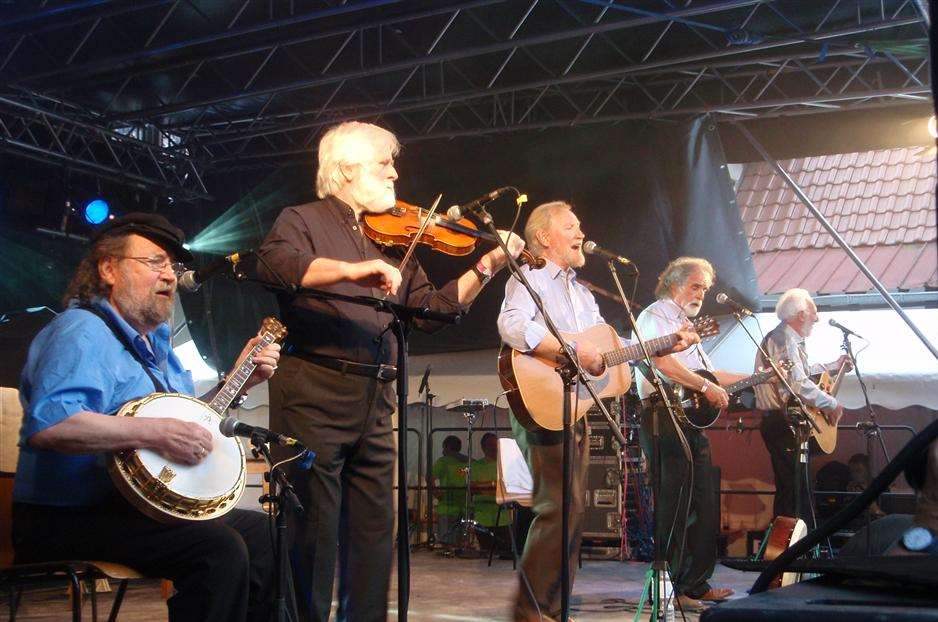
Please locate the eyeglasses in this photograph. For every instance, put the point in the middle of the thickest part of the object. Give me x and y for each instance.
(158, 263)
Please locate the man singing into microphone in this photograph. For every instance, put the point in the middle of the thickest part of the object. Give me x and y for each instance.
(691, 547)
(335, 390)
(785, 342)
(553, 232)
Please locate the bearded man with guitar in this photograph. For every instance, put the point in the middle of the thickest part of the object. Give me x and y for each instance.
(690, 546)
(113, 345)
(553, 232)
(798, 315)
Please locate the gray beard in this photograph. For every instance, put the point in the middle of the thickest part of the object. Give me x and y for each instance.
(144, 313)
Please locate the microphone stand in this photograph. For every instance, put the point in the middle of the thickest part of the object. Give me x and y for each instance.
(869, 428)
(283, 500)
(571, 373)
(659, 569)
(401, 324)
(428, 421)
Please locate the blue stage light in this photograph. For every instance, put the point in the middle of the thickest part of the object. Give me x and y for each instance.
(97, 211)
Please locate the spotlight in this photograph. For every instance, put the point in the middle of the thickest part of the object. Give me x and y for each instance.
(97, 211)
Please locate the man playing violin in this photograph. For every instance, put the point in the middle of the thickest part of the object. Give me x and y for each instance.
(335, 390)
(553, 232)
(80, 370)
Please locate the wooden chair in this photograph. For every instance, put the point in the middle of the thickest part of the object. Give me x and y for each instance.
(74, 573)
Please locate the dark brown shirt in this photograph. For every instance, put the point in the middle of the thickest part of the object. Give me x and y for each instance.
(329, 229)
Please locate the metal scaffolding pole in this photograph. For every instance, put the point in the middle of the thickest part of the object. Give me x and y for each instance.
(837, 237)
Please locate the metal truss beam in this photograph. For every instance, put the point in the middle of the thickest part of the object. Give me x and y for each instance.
(49, 132)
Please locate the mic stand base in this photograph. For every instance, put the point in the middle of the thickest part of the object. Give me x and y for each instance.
(282, 499)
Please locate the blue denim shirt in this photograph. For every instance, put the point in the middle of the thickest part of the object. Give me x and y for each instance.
(77, 364)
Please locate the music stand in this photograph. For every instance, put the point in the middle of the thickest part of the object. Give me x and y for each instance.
(470, 408)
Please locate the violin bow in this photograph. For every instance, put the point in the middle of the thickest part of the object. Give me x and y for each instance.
(416, 240)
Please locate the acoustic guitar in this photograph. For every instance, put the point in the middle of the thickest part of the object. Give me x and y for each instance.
(824, 431)
(783, 533)
(534, 389)
(693, 406)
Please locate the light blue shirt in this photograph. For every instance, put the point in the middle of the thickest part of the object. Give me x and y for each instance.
(783, 343)
(570, 304)
(661, 318)
(77, 364)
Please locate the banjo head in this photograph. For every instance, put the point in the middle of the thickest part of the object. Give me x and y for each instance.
(167, 490)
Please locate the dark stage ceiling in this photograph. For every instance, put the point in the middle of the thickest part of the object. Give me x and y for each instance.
(163, 93)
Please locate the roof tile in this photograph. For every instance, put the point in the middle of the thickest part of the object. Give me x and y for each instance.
(883, 199)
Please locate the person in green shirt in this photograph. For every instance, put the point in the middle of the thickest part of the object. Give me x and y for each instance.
(485, 509)
(449, 473)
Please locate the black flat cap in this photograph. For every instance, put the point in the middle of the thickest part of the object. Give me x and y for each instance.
(153, 227)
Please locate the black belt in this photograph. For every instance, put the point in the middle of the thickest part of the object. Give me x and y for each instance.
(382, 372)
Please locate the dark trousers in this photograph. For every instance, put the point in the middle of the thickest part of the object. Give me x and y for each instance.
(222, 569)
(347, 494)
(783, 450)
(540, 561)
(691, 546)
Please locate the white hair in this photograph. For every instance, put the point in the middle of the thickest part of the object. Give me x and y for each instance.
(539, 220)
(791, 302)
(679, 270)
(351, 142)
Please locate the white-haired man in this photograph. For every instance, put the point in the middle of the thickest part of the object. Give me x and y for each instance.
(336, 393)
(553, 232)
(798, 315)
(691, 545)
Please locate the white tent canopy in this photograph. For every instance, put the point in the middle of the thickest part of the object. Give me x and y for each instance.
(897, 368)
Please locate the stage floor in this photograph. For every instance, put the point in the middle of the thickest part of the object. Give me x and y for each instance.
(442, 589)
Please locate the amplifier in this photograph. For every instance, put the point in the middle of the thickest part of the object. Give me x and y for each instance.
(603, 507)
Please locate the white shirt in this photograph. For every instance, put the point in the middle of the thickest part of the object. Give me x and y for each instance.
(664, 317)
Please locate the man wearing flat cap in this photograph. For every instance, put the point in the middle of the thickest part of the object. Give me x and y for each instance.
(79, 372)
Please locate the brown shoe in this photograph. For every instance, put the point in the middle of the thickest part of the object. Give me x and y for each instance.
(686, 603)
(716, 594)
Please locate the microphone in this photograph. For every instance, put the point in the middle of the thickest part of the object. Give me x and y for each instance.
(592, 248)
(723, 299)
(423, 383)
(231, 427)
(191, 280)
(846, 330)
(458, 211)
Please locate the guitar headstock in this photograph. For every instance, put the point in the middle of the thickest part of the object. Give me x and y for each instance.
(706, 327)
(273, 326)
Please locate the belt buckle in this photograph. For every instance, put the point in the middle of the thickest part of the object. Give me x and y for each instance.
(386, 372)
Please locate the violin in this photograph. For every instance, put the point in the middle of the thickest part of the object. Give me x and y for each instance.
(401, 224)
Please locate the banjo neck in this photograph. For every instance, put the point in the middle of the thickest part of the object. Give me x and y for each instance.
(234, 383)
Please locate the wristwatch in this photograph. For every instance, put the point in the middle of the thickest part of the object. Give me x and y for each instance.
(919, 540)
(482, 271)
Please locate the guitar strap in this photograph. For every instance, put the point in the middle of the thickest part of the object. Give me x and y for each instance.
(121, 336)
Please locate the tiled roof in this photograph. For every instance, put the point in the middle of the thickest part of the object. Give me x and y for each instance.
(881, 202)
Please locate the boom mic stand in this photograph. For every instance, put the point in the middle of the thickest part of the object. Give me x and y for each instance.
(283, 500)
(658, 571)
(571, 373)
(428, 398)
(869, 428)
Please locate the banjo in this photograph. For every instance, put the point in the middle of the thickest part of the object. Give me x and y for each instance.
(169, 491)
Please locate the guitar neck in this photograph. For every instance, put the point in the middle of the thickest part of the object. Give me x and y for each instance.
(634, 352)
(745, 383)
(234, 384)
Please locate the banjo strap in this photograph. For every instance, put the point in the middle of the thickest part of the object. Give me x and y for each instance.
(125, 341)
